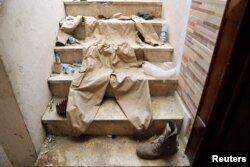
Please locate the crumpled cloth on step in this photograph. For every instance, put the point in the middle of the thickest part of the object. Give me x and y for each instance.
(70, 23)
(67, 29)
(105, 64)
(61, 38)
(133, 30)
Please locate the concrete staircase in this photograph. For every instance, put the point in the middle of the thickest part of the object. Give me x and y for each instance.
(109, 7)
(110, 118)
(164, 104)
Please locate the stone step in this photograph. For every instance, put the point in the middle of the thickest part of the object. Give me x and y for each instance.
(73, 53)
(156, 23)
(95, 151)
(110, 7)
(59, 85)
(111, 120)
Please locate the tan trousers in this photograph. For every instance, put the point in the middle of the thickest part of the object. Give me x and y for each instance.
(105, 64)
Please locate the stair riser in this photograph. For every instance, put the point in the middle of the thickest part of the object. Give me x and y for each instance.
(80, 30)
(157, 88)
(108, 127)
(108, 9)
(110, 118)
(70, 56)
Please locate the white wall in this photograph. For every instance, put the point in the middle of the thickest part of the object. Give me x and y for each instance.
(27, 35)
(14, 135)
(176, 12)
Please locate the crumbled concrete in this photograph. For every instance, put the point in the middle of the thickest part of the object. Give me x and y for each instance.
(101, 151)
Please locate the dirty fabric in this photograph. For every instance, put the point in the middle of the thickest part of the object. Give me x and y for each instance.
(67, 29)
(147, 32)
(145, 16)
(61, 38)
(70, 23)
(105, 64)
(109, 59)
(133, 30)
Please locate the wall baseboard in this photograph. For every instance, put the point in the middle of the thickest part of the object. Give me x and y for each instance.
(187, 121)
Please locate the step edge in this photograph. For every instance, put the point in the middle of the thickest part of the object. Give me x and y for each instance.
(167, 47)
(51, 80)
(46, 121)
(89, 2)
(57, 118)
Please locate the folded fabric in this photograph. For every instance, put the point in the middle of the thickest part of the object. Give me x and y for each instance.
(70, 23)
(132, 29)
(147, 31)
(61, 38)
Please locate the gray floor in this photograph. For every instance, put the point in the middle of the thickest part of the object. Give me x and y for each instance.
(100, 151)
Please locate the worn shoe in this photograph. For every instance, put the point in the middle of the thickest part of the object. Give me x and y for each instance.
(165, 144)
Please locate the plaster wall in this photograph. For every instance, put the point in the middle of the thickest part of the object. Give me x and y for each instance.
(27, 35)
(14, 136)
(176, 12)
(4, 160)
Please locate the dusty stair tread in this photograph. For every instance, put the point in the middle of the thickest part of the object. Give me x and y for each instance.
(108, 8)
(165, 47)
(60, 84)
(73, 53)
(68, 47)
(163, 108)
(101, 151)
(156, 23)
(65, 77)
(111, 120)
(149, 2)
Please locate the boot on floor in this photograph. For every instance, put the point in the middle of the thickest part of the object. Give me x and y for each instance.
(165, 144)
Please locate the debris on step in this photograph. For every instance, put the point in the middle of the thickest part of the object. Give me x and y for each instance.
(145, 16)
(111, 136)
(57, 65)
(46, 151)
(70, 23)
(164, 32)
(166, 70)
(56, 68)
(49, 139)
(102, 17)
(67, 29)
(50, 104)
(61, 107)
(61, 38)
(73, 41)
(48, 144)
(77, 64)
(68, 69)
(57, 57)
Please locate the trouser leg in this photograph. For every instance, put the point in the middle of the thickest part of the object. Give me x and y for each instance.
(134, 99)
(84, 100)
